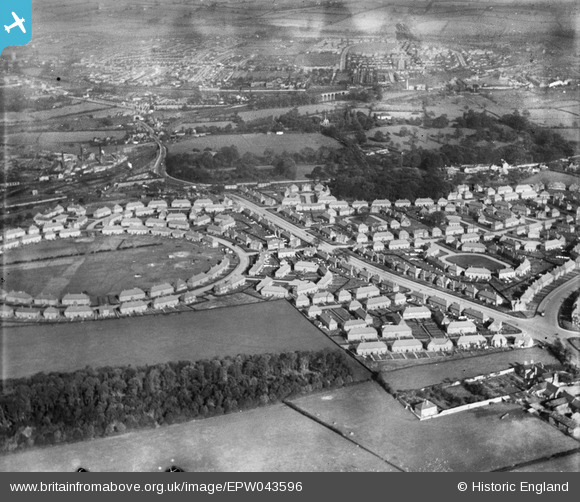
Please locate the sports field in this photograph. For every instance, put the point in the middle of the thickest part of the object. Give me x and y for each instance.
(104, 265)
(275, 438)
(470, 441)
(258, 328)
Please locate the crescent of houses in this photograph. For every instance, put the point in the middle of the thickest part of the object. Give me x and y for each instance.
(513, 222)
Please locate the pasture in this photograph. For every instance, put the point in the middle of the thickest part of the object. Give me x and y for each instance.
(566, 463)
(257, 328)
(431, 374)
(475, 260)
(56, 140)
(256, 143)
(104, 265)
(470, 441)
(274, 438)
(550, 176)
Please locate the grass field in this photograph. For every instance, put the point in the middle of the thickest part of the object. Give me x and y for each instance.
(55, 140)
(247, 329)
(471, 441)
(68, 266)
(52, 113)
(431, 374)
(256, 143)
(549, 176)
(568, 463)
(274, 438)
(475, 260)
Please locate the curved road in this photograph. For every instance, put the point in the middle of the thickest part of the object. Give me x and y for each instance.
(541, 328)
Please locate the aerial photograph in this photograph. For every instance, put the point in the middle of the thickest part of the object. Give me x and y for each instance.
(291, 236)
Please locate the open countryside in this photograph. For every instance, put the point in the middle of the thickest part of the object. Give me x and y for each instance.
(256, 143)
(471, 441)
(211, 445)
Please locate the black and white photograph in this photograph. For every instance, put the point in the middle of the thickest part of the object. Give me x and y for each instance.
(290, 236)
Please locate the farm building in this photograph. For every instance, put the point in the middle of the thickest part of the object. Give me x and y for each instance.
(426, 409)
(368, 348)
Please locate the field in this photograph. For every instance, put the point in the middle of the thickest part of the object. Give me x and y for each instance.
(474, 260)
(431, 374)
(568, 463)
(54, 140)
(471, 441)
(286, 442)
(256, 143)
(549, 176)
(78, 108)
(247, 329)
(64, 266)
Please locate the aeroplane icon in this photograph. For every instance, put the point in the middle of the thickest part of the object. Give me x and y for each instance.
(17, 23)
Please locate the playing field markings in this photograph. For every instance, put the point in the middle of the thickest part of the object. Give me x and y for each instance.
(56, 285)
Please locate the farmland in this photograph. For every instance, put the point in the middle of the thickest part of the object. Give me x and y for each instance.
(471, 441)
(104, 265)
(256, 143)
(431, 374)
(56, 140)
(245, 329)
(287, 441)
(474, 260)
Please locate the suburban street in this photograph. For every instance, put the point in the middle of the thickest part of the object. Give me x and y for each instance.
(544, 328)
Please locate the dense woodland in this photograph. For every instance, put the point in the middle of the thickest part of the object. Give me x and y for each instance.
(416, 172)
(63, 407)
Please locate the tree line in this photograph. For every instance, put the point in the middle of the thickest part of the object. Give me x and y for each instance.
(46, 409)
